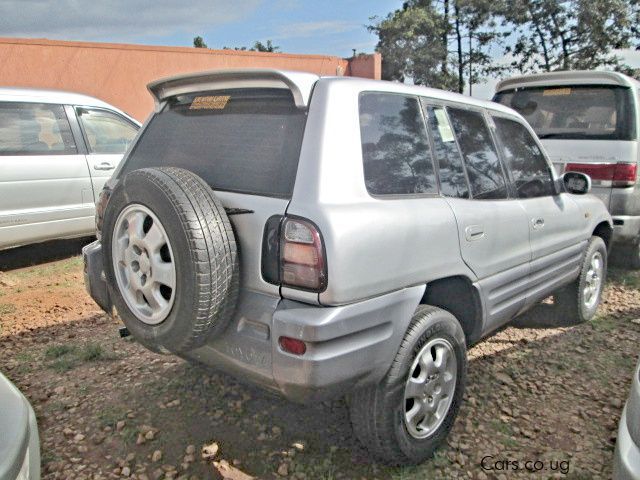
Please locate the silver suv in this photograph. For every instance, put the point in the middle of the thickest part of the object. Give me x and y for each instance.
(331, 236)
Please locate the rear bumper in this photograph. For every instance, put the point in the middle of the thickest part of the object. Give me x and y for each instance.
(626, 464)
(347, 345)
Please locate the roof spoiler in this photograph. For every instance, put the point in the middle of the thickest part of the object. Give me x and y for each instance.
(569, 77)
(299, 83)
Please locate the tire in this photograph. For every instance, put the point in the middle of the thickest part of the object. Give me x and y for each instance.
(167, 311)
(378, 411)
(571, 302)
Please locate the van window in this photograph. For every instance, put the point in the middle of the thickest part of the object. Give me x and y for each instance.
(240, 140)
(598, 112)
(395, 146)
(35, 129)
(526, 162)
(106, 132)
(453, 182)
(480, 156)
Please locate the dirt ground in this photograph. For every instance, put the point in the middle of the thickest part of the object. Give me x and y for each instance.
(545, 400)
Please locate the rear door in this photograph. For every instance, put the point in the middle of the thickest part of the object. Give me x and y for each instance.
(107, 136)
(45, 187)
(245, 143)
(492, 228)
(555, 221)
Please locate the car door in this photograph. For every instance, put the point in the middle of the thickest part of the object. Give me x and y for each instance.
(45, 187)
(107, 135)
(555, 221)
(492, 228)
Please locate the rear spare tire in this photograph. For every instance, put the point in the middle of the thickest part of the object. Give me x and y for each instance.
(170, 258)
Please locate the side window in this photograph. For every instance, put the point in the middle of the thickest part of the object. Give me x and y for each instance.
(35, 129)
(106, 132)
(395, 147)
(480, 155)
(453, 182)
(528, 166)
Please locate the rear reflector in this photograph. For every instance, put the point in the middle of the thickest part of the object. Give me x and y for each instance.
(619, 174)
(292, 345)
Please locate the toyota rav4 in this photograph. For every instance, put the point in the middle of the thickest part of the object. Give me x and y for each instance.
(337, 236)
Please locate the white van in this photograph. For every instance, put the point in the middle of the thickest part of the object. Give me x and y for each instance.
(588, 122)
(57, 149)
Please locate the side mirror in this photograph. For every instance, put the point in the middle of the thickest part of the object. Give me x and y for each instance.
(577, 183)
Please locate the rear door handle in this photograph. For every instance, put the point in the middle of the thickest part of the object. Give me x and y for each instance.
(474, 232)
(538, 223)
(104, 166)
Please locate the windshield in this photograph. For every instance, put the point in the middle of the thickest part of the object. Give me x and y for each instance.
(575, 112)
(240, 140)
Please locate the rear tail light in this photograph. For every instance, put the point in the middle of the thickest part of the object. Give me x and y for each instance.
(619, 174)
(293, 254)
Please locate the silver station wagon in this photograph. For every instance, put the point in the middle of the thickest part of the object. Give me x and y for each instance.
(338, 236)
(56, 151)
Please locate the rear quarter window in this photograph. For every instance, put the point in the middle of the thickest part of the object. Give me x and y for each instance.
(239, 140)
(395, 147)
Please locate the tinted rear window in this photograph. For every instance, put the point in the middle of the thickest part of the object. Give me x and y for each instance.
(240, 140)
(395, 146)
(575, 112)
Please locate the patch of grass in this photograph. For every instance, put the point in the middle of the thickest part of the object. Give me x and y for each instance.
(603, 324)
(57, 351)
(624, 278)
(50, 270)
(109, 416)
(67, 357)
(7, 308)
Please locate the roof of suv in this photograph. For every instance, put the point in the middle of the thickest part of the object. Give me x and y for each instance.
(572, 77)
(50, 96)
(301, 85)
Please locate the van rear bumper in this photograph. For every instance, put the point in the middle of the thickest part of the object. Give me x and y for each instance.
(626, 228)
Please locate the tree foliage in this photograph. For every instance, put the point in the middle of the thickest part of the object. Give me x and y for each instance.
(450, 43)
(258, 46)
(569, 35)
(198, 42)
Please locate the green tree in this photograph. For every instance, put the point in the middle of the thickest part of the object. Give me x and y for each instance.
(198, 42)
(568, 35)
(258, 46)
(439, 42)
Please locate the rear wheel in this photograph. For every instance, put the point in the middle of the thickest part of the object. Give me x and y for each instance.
(404, 418)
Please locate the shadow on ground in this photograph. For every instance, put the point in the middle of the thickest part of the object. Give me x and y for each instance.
(39, 253)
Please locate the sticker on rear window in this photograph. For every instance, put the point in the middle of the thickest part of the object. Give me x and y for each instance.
(552, 92)
(215, 102)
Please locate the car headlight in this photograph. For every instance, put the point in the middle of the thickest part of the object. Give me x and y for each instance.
(23, 474)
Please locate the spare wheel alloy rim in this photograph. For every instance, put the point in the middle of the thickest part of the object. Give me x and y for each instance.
(430, 387)
(143, 264)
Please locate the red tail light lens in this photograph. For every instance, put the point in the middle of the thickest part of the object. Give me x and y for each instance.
(302, 262)
(292, 345)
(625, 174)
(620, 174)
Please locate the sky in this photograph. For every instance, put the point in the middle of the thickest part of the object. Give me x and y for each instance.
(296, 26)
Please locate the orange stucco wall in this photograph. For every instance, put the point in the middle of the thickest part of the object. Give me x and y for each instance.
(119, 73)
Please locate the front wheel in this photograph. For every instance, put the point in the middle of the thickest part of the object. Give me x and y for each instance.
(405, 417)
(578, 302)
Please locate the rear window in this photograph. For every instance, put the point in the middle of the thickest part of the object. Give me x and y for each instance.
(575, 112)
(240, 140)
